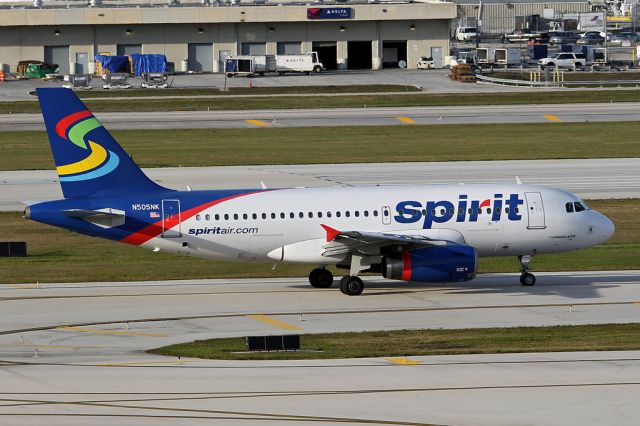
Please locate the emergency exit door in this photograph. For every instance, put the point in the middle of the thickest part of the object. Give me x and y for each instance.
(535, 210)
(171, 219)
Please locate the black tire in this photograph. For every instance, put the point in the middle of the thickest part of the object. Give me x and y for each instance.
(351, 286)
(527, 279)
(308, 73)
(550, 64)
(321, 278)
(317, 69)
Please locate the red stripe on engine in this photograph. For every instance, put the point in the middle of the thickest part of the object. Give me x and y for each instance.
(63, 125)
(155, 229)
(406, 266)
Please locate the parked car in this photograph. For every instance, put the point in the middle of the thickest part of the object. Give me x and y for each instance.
(519, 36)
(625, 38)
(426, 63)
(466, 33)
(591, 37)
(563, 37)
(564, 60)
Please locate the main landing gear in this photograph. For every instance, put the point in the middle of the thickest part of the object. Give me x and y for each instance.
(351, 285)
(321, 278)
(526, 279)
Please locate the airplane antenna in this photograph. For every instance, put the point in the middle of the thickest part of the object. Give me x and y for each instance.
(189, 188)
(518, 181)
(262, 185)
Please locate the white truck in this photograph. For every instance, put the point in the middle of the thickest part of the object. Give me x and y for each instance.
(564, 60)
(466, 33)
(306, 63)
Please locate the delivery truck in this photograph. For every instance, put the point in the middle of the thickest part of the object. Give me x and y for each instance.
(306, 63)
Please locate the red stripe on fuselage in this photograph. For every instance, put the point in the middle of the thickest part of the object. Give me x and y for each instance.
(155, 229)
(406, 266)
(63, 125)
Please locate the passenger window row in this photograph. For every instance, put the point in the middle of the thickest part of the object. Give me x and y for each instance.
(283, 215)
(461, 212)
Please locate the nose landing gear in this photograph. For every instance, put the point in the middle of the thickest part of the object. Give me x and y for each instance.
(527, 278)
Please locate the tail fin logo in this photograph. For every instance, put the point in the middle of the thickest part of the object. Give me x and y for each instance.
(99, 162)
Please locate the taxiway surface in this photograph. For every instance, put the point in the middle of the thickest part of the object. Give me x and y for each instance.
(73, 353)
(585, 112)
(594, 179)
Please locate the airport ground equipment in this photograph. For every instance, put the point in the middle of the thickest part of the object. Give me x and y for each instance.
(239, 66)
(537, 51)
(13, 248)
(427, 63)
(78, 81)
(289, 342)
(155, 80)
(507, 57)
(115, 81)
(486, 55)
(306, 63)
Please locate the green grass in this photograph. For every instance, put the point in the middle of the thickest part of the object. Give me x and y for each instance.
(57, 255)
(348, 101)
(608, 337)
(217, 147)
(234, 91)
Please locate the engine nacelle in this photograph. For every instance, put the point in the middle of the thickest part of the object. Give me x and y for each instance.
(454, 262)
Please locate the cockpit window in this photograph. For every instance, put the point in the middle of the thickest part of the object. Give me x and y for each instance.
(569, 207)
(579, 207)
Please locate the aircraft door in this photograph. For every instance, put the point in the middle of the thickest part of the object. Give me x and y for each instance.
(386, 215)
(535, 210)
(171, 219)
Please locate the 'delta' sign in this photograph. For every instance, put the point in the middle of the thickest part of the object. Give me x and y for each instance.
(329, 13)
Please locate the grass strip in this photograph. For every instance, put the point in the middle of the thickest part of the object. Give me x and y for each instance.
(348, 101)
(235, 91)
(57, 255)
(349, 144)
(607, 337)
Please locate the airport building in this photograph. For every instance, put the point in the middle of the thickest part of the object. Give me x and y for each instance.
(198, 36)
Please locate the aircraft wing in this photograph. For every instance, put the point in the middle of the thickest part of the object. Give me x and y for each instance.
(370, 243)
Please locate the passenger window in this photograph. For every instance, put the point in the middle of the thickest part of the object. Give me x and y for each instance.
(245, 217)
(366, 213)
(579, 207)
(337, 214)
(328, 214)
(207, 217)
(281, 215)
(226, 216)
(264, 215)
(375, 213)
(452, 211)
(292, 215)
(197, 217)
(356, 213)
(479, 211)
(347, 213)
(301, 215)
(470, 211)
(517, 210)
(255, 216)
(235, 216)
(569, 207)
(310, 215)
(217, 217)
(488, 210)
(273, 215)
(320, 214)
(506, 210)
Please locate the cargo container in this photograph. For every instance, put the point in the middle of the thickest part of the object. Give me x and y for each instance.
(508, 57)
(486, 55)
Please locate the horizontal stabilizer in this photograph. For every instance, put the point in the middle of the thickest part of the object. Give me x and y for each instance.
(104, 218)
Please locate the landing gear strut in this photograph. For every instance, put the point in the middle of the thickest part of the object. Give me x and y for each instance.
(321, 278)
(351, 285)
(526, 279)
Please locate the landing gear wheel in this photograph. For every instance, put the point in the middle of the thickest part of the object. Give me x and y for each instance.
(321, 278)
(527, 279)
(351, 285)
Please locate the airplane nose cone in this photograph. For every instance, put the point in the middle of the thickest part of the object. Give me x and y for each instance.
(606, 228)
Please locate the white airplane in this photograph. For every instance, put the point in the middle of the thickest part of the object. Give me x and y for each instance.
(421, 233)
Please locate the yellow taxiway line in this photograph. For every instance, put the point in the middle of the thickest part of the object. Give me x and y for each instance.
(406, 120)
(274, 322)
(404, 361)
(258, 123)
(115, 332)
(552, 117)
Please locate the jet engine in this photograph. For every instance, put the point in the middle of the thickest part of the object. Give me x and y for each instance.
(453, 262)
